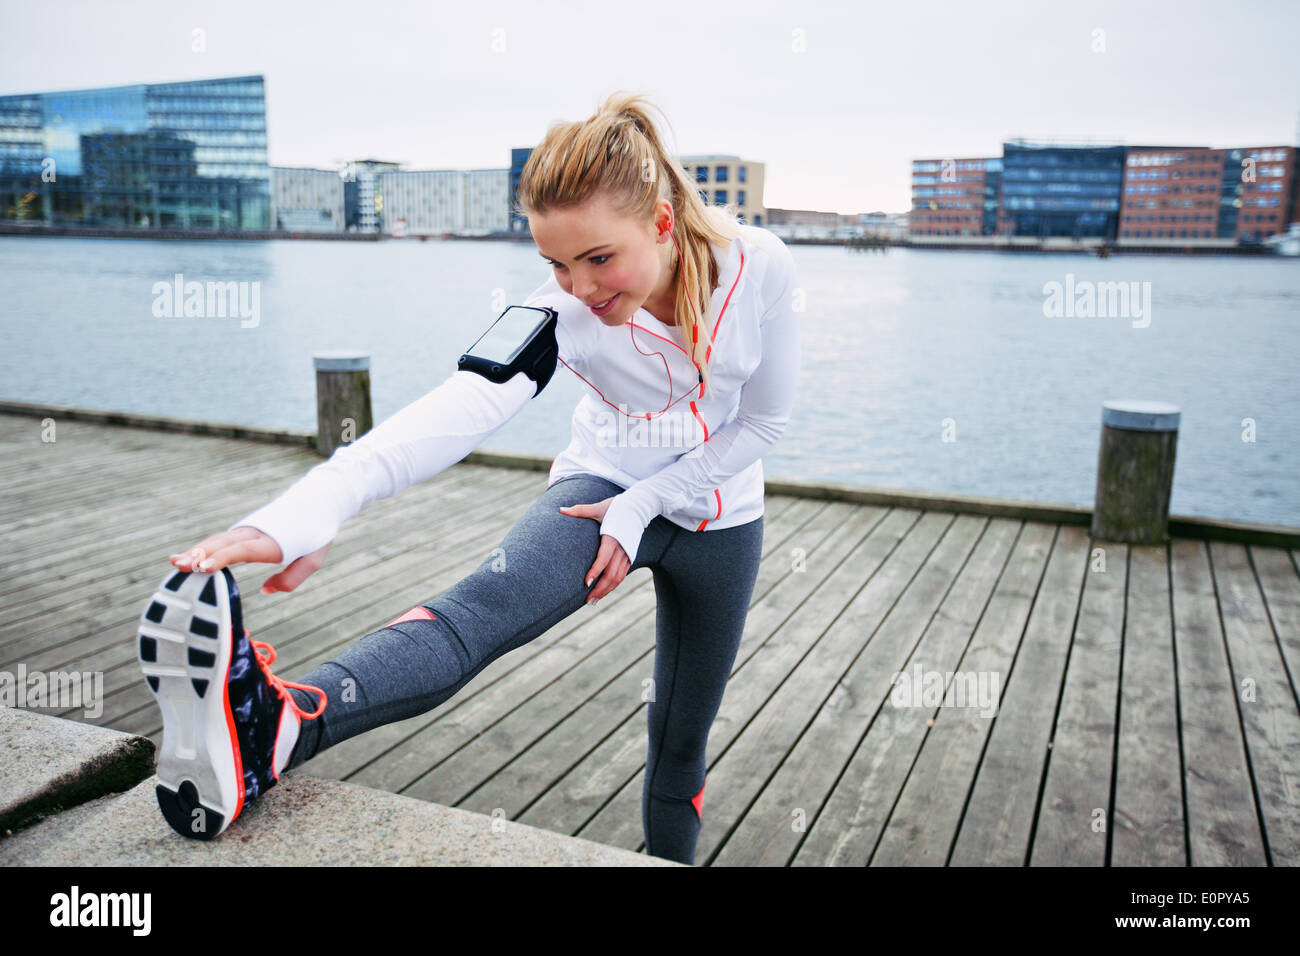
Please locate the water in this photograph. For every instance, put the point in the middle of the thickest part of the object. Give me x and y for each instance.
(898, 349)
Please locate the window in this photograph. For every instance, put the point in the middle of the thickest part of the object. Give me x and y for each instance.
(720, 174)
(720, 196)
(740, 174)
(701, 174)
(740, 197)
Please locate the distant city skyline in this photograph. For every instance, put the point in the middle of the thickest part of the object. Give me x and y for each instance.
(836, 100)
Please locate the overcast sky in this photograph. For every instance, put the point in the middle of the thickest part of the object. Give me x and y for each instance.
(835, 98)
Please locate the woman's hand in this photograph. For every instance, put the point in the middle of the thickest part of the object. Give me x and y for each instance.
(611, 558)
(249, 544)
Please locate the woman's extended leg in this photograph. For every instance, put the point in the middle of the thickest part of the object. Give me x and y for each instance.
(704, 582)
(532, 580)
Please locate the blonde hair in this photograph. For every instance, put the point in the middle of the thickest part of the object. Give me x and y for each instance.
(618, 154)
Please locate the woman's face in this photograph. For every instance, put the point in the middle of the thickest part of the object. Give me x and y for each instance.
(598, 255)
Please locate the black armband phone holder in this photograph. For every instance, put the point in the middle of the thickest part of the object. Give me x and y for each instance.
(522, 339)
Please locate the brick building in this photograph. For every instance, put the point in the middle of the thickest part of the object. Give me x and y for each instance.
(955, 197)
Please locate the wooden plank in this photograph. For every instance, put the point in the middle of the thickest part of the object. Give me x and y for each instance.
(99, 485)
(1265, 698)
(977, 630)
(1074, 815)
(88, 440)
(79, 554)
(1222, 823)
(796, 792)
(1279, 581)
(102, 498)
(999, 817)
(1149, 828)
(896, 753)
(93, 465)
(104, 503)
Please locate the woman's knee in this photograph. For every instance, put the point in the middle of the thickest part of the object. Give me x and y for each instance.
(673, 780)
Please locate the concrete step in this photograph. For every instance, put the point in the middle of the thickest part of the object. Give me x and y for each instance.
(73, 794)
(304, 821)
(49, 764)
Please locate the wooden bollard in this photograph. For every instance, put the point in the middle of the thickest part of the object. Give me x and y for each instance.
(342, 399)
(1135, 471)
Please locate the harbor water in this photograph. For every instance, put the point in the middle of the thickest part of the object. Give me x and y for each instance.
(960, 372)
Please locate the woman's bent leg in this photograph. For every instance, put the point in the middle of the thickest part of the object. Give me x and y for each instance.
(531, 581)
(704, 582)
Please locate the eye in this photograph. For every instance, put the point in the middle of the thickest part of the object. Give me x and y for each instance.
(602, 261)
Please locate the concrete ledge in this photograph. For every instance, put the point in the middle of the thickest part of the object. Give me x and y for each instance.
(51, 764)
(304, 821)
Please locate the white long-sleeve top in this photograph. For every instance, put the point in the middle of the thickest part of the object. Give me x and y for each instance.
(696, 460)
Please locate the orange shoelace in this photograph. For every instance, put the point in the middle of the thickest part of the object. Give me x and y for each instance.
(265, 655)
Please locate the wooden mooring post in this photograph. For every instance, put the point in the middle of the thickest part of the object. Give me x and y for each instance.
(342, 399)
(1135, 471)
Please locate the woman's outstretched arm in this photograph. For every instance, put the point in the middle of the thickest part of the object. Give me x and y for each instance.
(416, 443)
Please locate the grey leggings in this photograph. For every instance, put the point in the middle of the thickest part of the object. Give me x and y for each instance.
(703, 583)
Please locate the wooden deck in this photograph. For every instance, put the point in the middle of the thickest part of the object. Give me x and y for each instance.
(1148, 707)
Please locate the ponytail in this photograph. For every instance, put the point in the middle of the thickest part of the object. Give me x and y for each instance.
(618, 153)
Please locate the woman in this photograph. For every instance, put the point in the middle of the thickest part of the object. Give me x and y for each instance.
(681, 323)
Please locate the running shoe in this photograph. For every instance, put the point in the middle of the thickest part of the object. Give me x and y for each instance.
(229, 724)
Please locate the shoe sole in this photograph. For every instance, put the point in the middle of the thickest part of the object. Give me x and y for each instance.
(184, 647)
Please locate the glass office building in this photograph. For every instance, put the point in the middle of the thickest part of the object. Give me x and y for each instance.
(188, 156)
(518, 222)
(1050, 190)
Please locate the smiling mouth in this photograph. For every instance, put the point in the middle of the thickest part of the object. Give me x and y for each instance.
(602, 306)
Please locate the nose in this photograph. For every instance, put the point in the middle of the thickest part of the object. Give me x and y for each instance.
(583, 288)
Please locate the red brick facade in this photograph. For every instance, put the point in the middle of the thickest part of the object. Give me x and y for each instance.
(1171, 193)
(947, 197)
(1268, 186)
(1186, 192)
